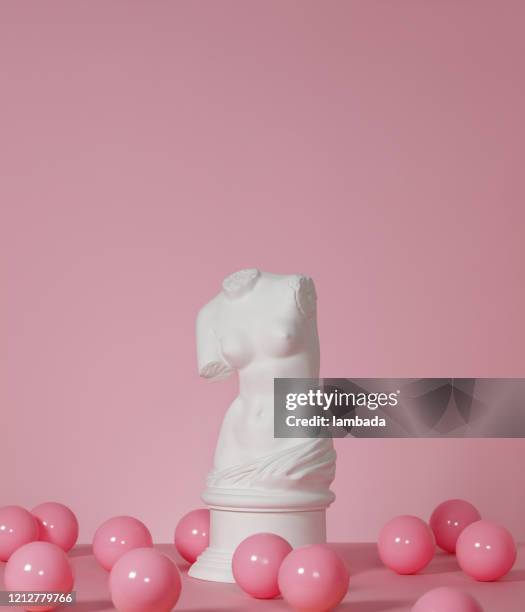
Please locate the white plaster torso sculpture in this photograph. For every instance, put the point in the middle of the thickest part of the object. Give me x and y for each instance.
(263, 326)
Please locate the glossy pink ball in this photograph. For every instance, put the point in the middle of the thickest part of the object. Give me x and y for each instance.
(40, 567)
(144, 580)
(117, 536)
(57, 524)
(486, 551)
(406, 544)
(256, 564)
(192, 534)
(445, 599)
(449, 519)
(17, 527)
(313, 579)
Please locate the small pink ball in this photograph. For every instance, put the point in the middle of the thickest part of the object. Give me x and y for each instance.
(449, 519)
(486, 551)
(17, 527)
(144, 580)
(57, 524)
(256, 564)
(445, 599)
(117, 536)
(40, 567)
(406, 544)
(313, 579)
(192, 534)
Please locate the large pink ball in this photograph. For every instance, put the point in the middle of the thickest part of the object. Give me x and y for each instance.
(486, 551)
(40, 567)
(57, 524)
(17, 527)
(313, 579)
(445, 599)
(117, 536)
(144, 580)
(449, 519)
(256, 564)
(192, 534)
(406, 544)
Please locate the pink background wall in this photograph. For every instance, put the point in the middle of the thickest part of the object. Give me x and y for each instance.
(150, 148)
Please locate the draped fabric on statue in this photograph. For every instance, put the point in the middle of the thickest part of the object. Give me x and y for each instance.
(301, 473)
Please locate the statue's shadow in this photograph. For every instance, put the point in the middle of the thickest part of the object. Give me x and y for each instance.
(359, 557)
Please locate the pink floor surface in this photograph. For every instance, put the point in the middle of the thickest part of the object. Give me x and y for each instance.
(372, 587)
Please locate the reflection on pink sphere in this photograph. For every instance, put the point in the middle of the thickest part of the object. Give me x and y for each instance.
(144, 580)
(192, 534)
(449, 519)
(17, 527)
(406, 544)
(57, 524)
(445, 599)
(313, 579)
(40, 567)
(256, 564)
(117, 536)
(486, 551)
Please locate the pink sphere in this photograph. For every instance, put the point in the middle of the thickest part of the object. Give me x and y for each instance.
(406, 544)
(445, 599)
(256, 564)
(449, 519)
(117, 536)
(57, 524)
(313, 579)
(40, 567)
(486, 551)
(17, 527)
(192, 534)
(144, 580)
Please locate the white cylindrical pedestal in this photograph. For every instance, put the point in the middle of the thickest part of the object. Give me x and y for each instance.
(229, 528)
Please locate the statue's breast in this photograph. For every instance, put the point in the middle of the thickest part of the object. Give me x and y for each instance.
(240, 347)
(281, 340)
(237, 348)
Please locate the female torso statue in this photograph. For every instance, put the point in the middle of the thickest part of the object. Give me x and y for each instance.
(263, 326)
